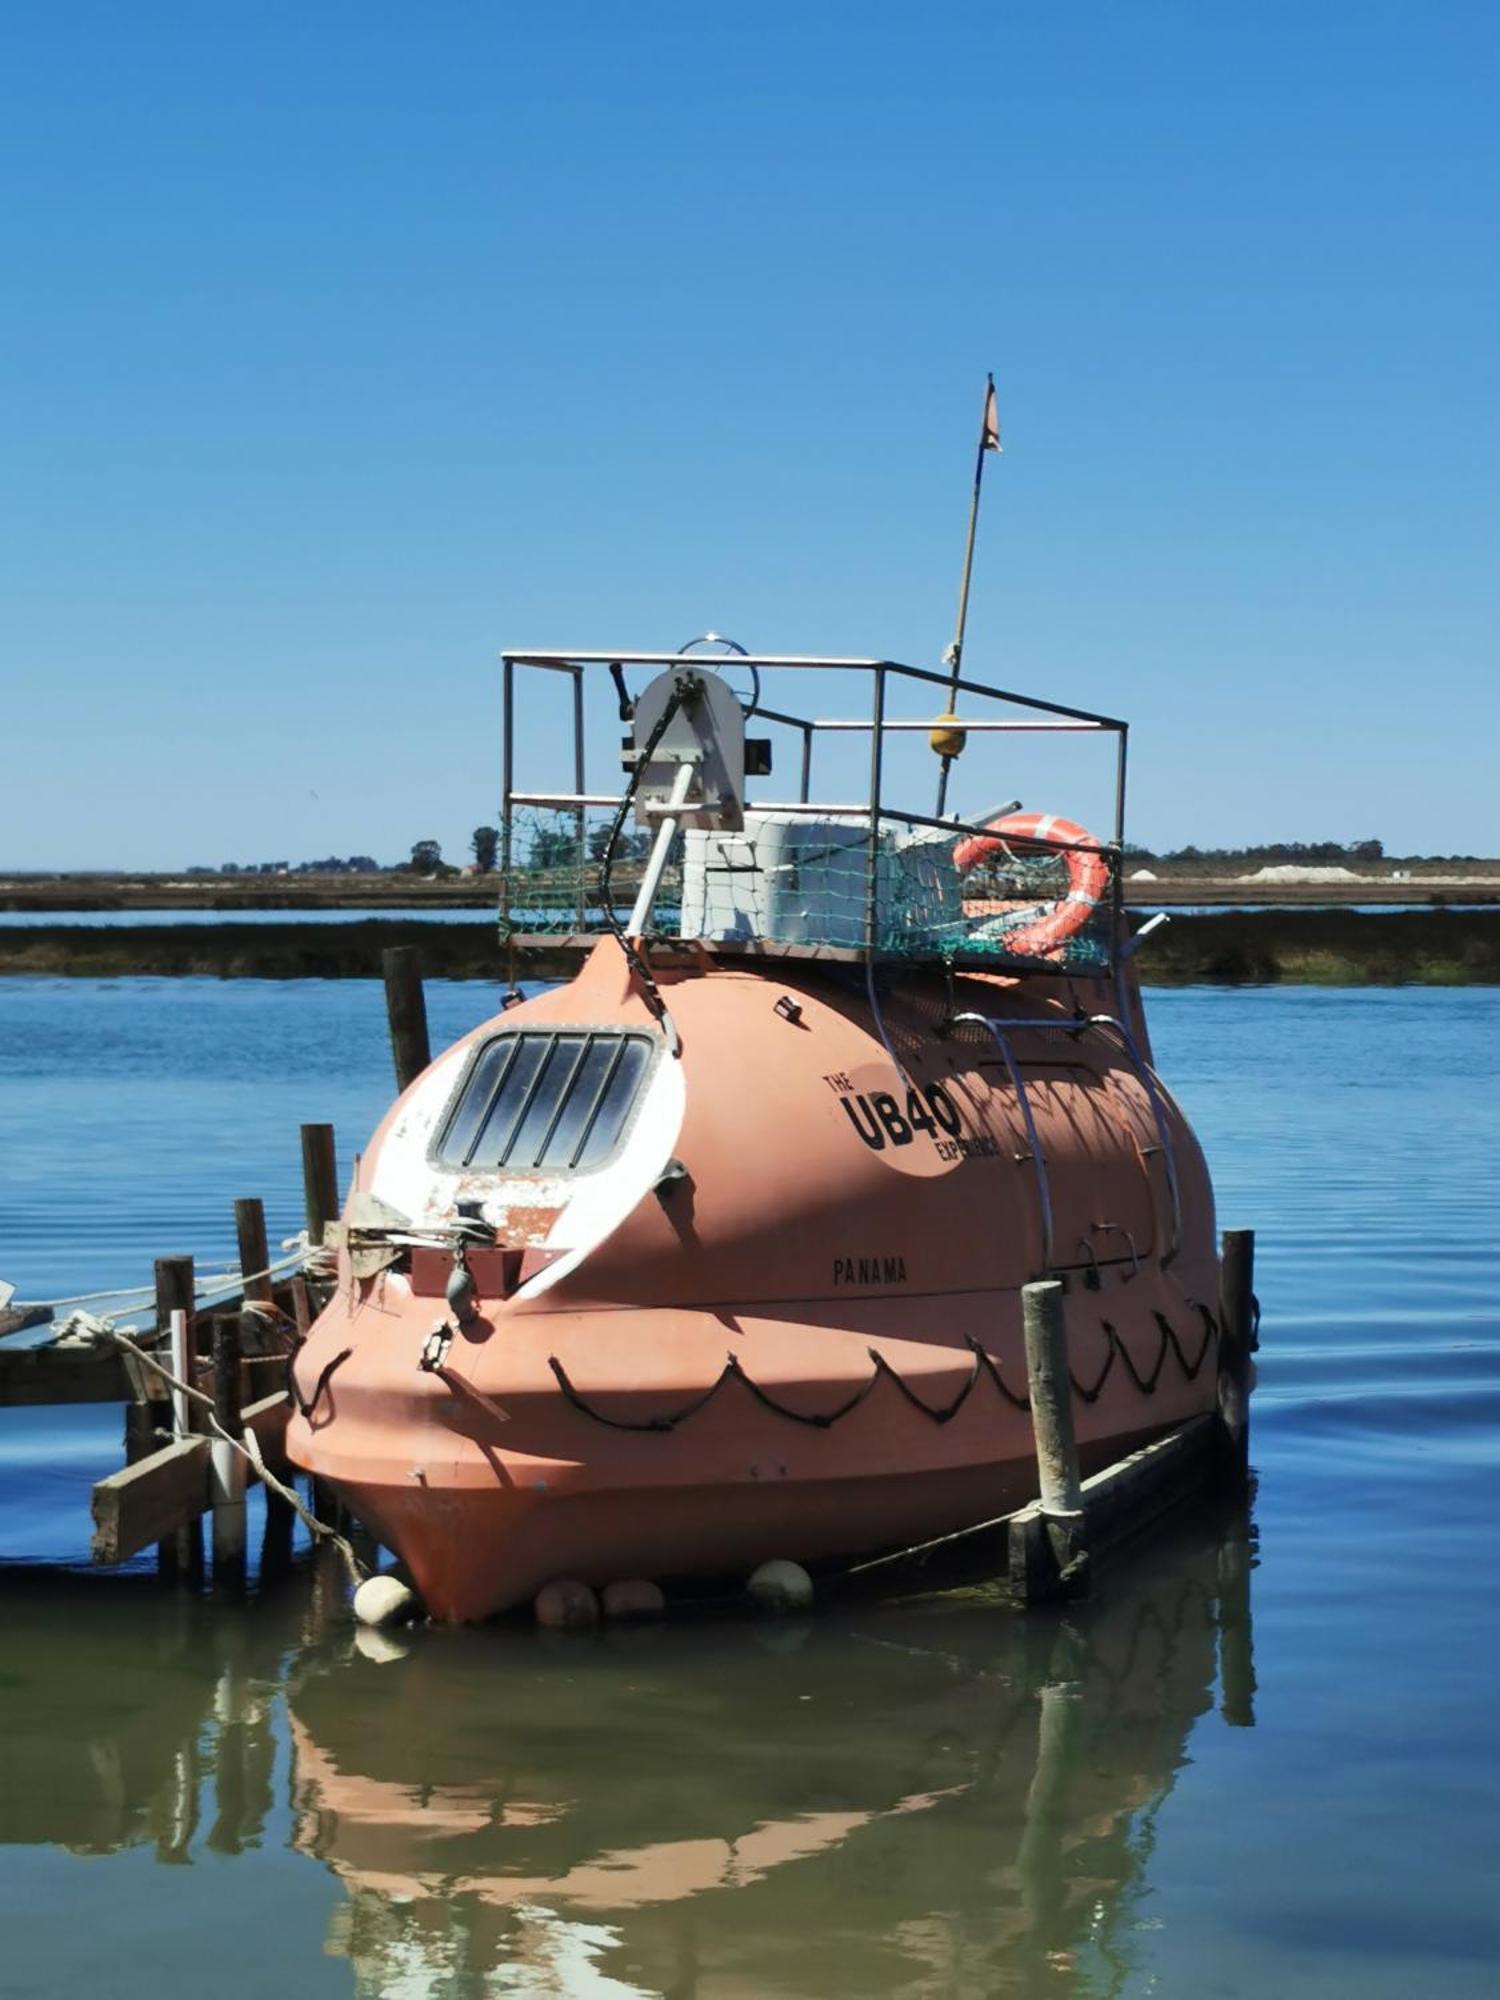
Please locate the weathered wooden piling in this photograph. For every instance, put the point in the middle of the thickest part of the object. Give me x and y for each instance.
(320, 1179)
(406, 1011)
(174, 1289)
(1048, 1552)
(276, 1536)
(1236, 1344)
(227, 1466)
(255, 1256)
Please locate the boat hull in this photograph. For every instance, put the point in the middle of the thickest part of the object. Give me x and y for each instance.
(804, 1342)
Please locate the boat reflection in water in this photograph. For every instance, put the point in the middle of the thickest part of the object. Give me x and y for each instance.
(942, 1796)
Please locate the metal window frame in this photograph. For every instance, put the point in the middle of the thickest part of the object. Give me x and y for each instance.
(551, 1032)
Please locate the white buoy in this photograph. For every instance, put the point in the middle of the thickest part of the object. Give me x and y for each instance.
(633, 1598)
(566, 1605)
(385, 1600)
(780, 1586)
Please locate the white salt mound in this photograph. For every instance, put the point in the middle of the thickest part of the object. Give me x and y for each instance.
(1289, 871)
(1143, 875)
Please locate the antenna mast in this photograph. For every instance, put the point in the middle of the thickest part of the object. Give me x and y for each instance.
(946, 739)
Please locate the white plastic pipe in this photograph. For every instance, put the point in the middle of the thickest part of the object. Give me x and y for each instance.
(182, 1368)
(640, 916)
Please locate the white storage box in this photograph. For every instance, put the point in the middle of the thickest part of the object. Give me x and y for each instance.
(802, 878)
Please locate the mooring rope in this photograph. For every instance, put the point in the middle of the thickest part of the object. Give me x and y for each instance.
(248, 1447)
(216, 1284)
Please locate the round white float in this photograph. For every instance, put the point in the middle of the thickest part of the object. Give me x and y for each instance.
(780, 1586)
(566, 1605)
(385, 1600)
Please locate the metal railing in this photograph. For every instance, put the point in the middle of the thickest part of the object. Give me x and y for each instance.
(530, 890)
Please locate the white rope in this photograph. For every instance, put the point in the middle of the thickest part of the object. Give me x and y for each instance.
(304, 1256)
(85, 1298)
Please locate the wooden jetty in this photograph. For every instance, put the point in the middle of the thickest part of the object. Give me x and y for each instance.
(180, 1468)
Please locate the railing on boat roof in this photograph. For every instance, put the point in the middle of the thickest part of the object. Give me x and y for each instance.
(806, 877)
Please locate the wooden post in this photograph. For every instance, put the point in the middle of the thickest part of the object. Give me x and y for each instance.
(1047, 1550)
(174, 1290)
(1236, 1338)
(320, 1179)
(406, 1011)
(276, 1537)
(140, 1442)
(227, 1478)
(250, 1229)
(175, 1286)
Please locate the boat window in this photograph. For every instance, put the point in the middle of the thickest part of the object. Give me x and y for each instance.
(551, 1103)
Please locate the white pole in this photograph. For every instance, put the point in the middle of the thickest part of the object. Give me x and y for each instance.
(640, 916)
(182, 1368)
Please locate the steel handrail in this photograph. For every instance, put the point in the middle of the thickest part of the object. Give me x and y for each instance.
(1077, 1025)
(1038, 1156)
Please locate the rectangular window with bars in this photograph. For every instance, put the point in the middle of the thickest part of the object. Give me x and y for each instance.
(553, 1102)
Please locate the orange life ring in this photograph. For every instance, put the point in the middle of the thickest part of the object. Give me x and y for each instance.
(1044, 833)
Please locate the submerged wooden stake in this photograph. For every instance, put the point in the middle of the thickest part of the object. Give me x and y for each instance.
(1047, 1546)
(406, 1011)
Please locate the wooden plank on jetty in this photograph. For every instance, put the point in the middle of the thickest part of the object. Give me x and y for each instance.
(62, 1373)
(150, 1500)
(153, 1498)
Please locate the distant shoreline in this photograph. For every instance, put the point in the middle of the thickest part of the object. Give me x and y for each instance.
(1323, 946)
(1174, 889)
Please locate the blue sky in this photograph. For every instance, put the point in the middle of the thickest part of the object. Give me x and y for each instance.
(342, 344)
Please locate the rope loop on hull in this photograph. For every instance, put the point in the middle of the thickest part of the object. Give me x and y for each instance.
(294, 1394)
(881, 1369)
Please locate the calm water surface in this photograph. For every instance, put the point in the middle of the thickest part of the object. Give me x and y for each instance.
(1211, 1780)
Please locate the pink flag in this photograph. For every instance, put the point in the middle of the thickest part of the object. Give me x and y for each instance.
(990, 441)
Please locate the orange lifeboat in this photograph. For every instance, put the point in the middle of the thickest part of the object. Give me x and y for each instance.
(714, 1253)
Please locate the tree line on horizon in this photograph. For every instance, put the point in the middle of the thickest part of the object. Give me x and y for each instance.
(1310, 852)
(548, 848)
(553, 848)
